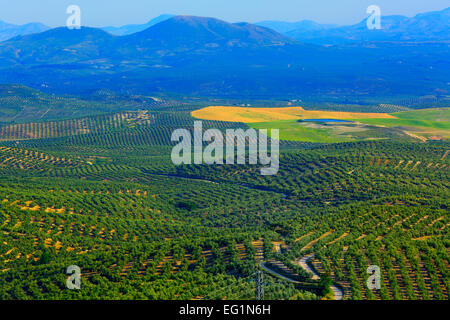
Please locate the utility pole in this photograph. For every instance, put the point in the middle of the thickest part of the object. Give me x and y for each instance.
(259, 286)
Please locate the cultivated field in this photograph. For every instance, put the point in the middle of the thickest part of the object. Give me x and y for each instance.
(433, 124)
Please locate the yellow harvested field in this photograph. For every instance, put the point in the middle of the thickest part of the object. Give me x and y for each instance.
(303, 236)
(340, 237)
(35, 208)
(47, 242)
(422, 238)
(253, 115)
(310, 244)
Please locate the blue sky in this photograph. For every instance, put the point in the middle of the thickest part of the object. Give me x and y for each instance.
(119, 12)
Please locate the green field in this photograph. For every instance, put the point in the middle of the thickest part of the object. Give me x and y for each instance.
(424, 124)
(292, 130)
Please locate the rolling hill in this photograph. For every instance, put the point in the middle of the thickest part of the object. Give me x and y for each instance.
(57, 46)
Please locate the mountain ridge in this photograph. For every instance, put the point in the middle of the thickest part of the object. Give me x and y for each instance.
(133, 28)
(208, 31)
(8, 30)
(283, 27)
(429, 26)
(180, 33)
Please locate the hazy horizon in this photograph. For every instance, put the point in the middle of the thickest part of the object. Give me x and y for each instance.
(105, 13)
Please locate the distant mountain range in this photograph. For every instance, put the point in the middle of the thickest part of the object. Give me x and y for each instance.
(287, 27)
(207, 56)
(431, 26)
(8, 31)
(180, 34)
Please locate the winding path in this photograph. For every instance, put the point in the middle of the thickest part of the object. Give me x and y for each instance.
(273, 272)
(303, 262)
